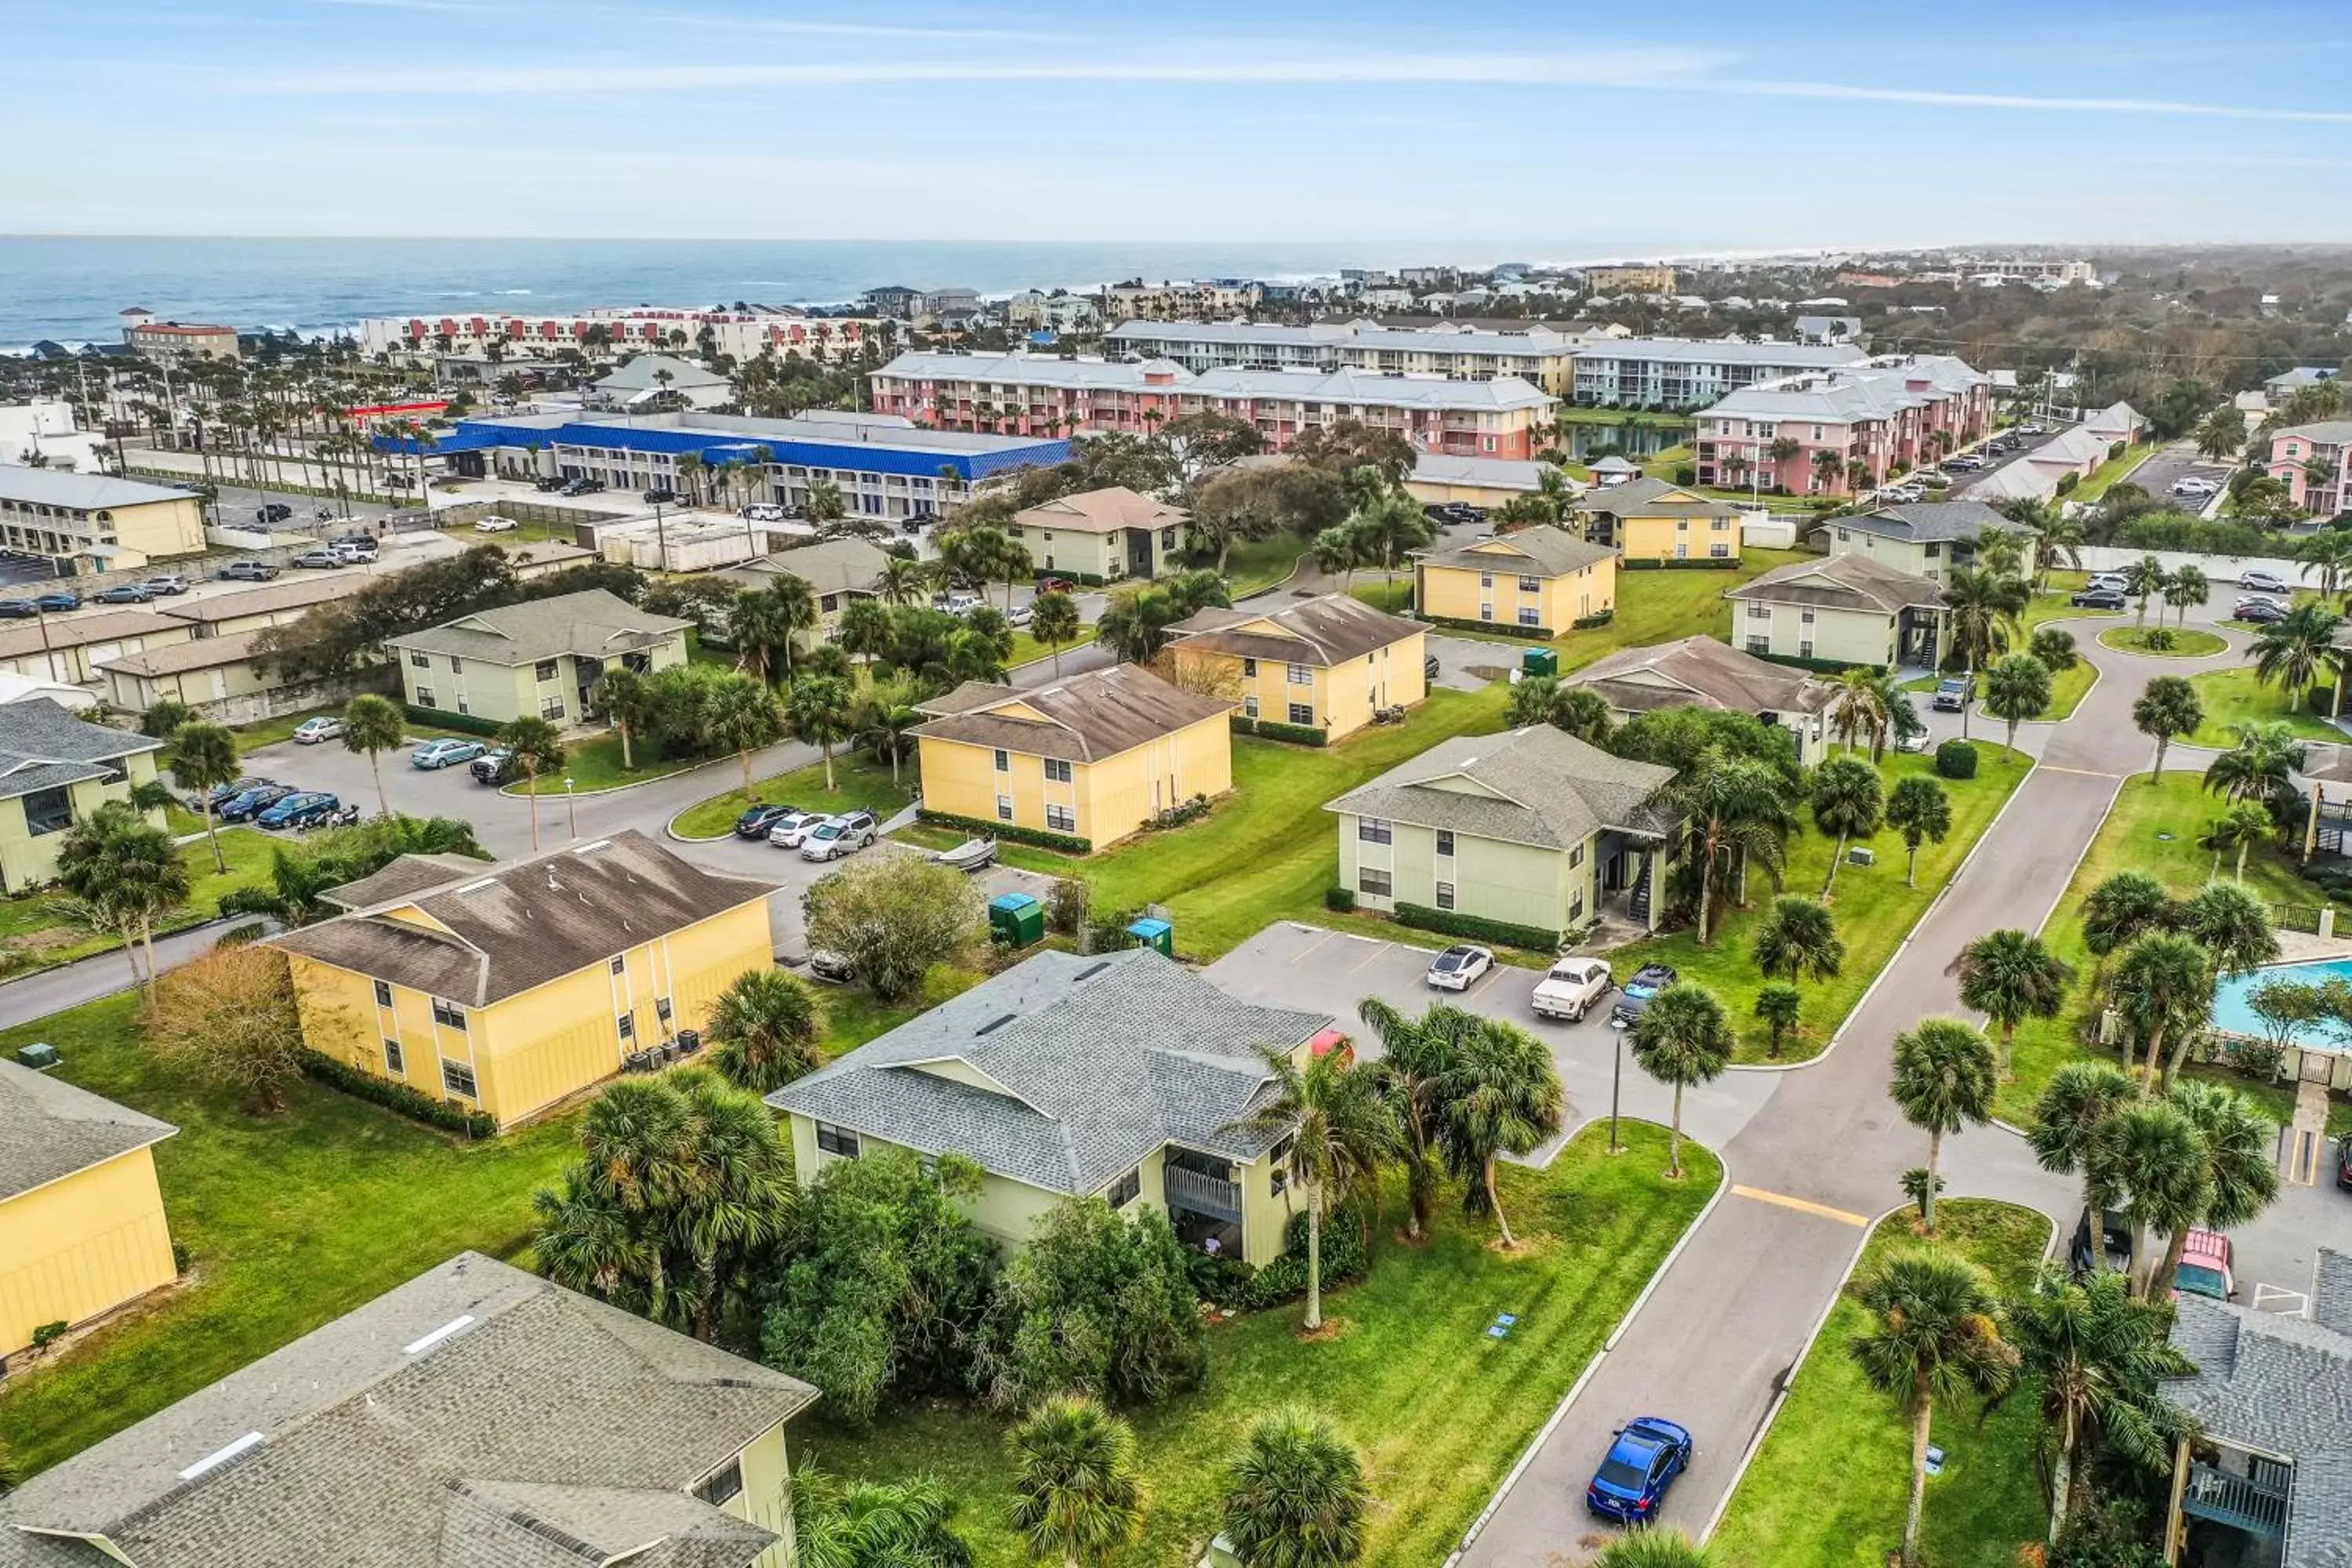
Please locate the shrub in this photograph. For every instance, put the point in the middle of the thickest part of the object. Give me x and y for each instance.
(1507, 628)
(1818, 666)
(1068, 844)
(1192, 810)
(1267, 730)
(2160, 639)
(1285, 1279)
(1957, 759)
(1452, 922)
(894, 920)
(464, 724)
(48, 1334)
(1221, 1280)
(1097, 1303)
(1067, 905)
(399, 1097)
(1586, 623)
(1341, 901)
(1685, 474)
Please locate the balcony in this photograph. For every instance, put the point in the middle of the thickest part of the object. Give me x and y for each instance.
(1190, 1191)
(2257, 1507)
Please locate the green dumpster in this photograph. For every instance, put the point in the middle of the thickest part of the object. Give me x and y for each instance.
(1539, 661)
(1157, 934)
(1017, 919)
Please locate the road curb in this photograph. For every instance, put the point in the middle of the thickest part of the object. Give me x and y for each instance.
(1560, 1412)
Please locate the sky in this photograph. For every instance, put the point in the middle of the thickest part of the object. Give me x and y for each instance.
(1486, 130)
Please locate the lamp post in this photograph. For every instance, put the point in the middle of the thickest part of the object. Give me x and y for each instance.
(1616, 1078)
(571, 809)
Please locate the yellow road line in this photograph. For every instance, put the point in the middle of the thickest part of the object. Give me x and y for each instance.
(1801, 1207)
(2082, 772)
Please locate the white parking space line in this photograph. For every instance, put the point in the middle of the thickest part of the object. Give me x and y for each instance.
(1312, 948)
(1380, 950)
(2280, 1300)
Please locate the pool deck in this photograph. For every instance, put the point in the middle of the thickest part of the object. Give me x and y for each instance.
(2301, 947)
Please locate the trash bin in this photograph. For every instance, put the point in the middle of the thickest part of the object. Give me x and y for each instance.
(1539, 661)
(1157, 934)
(1017, 919)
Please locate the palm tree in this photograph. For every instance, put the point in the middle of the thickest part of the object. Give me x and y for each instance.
(1945, 1079)
(1934, 1337)
(1653, 1546)
(1847, 800)
(1338, 549)
(1736, 809)
(2292, 652)
(2185, 586)
(2148, 1164)
(2329, 550)
(2016, 689)
(1919, 810)
(621, 695)
(1295, 1495)
(901, 582)
(2062, 538)
(1778, 1007)
(1054, 622)
(2241, 827)
(1857, 705)
(742, 717)
(126, 873)
(1339, 1130)
(373, 725)
(2144, 578)
(2012, 975)
(2163, 987)
(1798, 936)
(1077, 1495)
(2233, 925)
(1682, 1038)
(2127, 905)
(1984, 608)
(825, 503)
(864, 630)
(2239, 1145)
(538, 748)
(818, 710)
(2260, 767)
(769, 622)
(1391, 526)
(2074, 1107)
(2166, 707)
(766, 1026)
(874, 1525)
(1416, 1054)
(1502, 1095)
(203, 758)
(2221, 434)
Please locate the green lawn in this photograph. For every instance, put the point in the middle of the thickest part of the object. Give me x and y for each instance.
(1393, 594)
(289, 1221)
(2053, 606)
(272, 731)
(2186, 643)
(1440, 1410)
(1027, 648)
(595, 764)
(2234, 696)
(1874, 910)
(2111, 472)
(1832, 1484)
(2152, 828)
(857, 781)
(36, 935)
(1269, 850)
(1256, 564)
(1655, 606)
(2067, 688)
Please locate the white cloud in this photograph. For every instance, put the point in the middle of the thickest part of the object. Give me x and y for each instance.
(1932, 97)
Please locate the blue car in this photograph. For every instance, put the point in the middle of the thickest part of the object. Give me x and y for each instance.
(245, 807)
(62, 599)
(1630, 1486)
(434, 754)
(1648, 982)
(302, 809)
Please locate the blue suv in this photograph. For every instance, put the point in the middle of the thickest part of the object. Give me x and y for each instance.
(245, 807)
(305, 808)
(1630, 1486)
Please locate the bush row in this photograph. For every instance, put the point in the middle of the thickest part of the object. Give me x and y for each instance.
(1586, 623)
(1508, 628)
(1267, 730)
(1068, 844)
(1696, 564)
(399, 1097)
(1818, 666)
(464, 724)
(1454, 922)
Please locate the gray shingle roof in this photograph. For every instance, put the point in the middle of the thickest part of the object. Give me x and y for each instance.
(524, 922)
(49, 1128)
(1539, 785)
(639, 376)
(1326, 630)
(1701, 671)
(294, 594)
(1085, 718)
(82, 492)
(179, 657)
(1542, 551)
(81, 630)
(829, 566)
(403, 879)
(1650, 497)
(1101, 1060)
(1842, 583)
(1932, 522)
(415, 1430)
(44, 746)
(592, 624)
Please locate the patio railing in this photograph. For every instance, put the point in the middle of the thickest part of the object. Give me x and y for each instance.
(2239, 1500)
(1203, 1194)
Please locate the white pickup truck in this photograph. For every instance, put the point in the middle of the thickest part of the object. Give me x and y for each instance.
(1571, 988)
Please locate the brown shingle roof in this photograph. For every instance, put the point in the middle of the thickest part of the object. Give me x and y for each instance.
(196, 653)
(592, 624)
(1702, 671)
(1325, 631)
(1842, 583)
(1539, 551)
(525, 923)
(1082, 720)
(297, 594)
(79, 631)
(1101, 511)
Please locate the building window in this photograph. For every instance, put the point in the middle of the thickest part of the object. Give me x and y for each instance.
(1486, 579)
(1719, 550)
(1759, 612)
(1004, 809)
(1760, 645)
(661, 1008)
(1485, 612)
(425, 697)
(722, 1484)
(383, 994)
(629, 1022)
(543, 670)
(620, 964)
(1061, 819)
(550, 708)
(1446, 841)
(1249, 706)
(838, 1142)
(1529, 616)
(393, 1063)
(1370, 883)
(1575, 855)
(1682, 550)
(449, 1015)
(420, 661)
(458, 1080)
(1444, 895)
(1003, 762)
(1806, 618)
(1057, 770)
(1303, 714)
(1126, 1190)
(1805, 648)
(1300, 675)
(1530, 584)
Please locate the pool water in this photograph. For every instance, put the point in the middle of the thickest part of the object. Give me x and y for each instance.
(2232, 1016)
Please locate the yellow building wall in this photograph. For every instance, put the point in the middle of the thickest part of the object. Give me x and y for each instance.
(1680, 538)
(1342, 696)
(28, 860)
(81, 1246)
(150, 529)
(1460, 593)
(766, 1498)
(1437, 492)
(1108, 799)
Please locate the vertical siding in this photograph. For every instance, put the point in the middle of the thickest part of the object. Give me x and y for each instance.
(81, 1246)
(766, 1498)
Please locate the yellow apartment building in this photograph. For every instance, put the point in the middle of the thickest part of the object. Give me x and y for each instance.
(508, 989)
(1541, 579)
(81, 1218)
(1650, 519)
(85, 523)
(55, 770)
(1324, 663)
(1093, 757)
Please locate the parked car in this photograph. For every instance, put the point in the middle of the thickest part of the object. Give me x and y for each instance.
(2260, 611)
(318, 561)
(755, 822)
(123, 593)
(1458, 966)
(583, 487)
(169, 582)
(1572, 987)
(323, 727)
(276, 512)
(1019, 615)
(59, 599)
(763, 512)
(1648, 982)
(244, 806)
(2205, 1259)
(661, 495)
(2115, 580)
(1057, 586)
(831, 967)
(788, 830)
(2115, 1244)
(1631, 1484)
(493, 767)
(1951, 694)
(351, 554)
(305, 809)
(19, 609)
(2190, 485)
(1915, 740)
(248, 572)
(961, 602)
(223, 794)
(1429, 668)
(446, 753)
(2098, 599)
(549, 482)
(494, 523)
(2344, 1163)
(2263, 583)
(839, 835)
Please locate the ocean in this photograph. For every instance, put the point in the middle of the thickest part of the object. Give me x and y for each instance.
(73, 289)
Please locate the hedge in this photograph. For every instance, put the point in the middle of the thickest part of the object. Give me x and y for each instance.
(1695, 563)
(1957, 759)
(1267, 730)
(1587, 623)
(1338, 899)
(1508, 628)
(1066, 843)
(464, 724)
(1818, 666)
(399, 1097)
(1454, 922)
(1221, 1280)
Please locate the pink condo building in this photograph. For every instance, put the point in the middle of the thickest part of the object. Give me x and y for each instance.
(2311, 458)
(1866, 421)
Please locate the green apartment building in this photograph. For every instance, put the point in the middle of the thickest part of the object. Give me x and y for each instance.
(55, 770)
(1100, 536)
(540, 657)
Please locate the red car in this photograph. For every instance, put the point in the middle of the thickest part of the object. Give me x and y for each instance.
(1055, 585)
(2205, 1259)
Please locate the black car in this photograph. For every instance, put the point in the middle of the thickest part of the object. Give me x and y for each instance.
(18, 609)
(2258, 611)
(2115, 1244)
(661, 494)
(755, 822)
(831, 966)
(124, 594)
(223, 794)
(254, 802)
(276, 512)
(551, 482)
(494, 767)
(2344, 1163)
(62, 599)
(2097, 599)
(1636, 993)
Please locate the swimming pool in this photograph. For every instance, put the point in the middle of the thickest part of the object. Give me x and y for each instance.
(2232, 1014)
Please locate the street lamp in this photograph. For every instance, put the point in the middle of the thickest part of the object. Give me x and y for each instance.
(571, 810)
(1616, 1078)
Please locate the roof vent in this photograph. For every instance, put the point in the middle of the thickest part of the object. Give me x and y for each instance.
(455, 1325)
(477, 887)
(222, 1456)
(592, 849)
(996, 1023)
(1091, 970)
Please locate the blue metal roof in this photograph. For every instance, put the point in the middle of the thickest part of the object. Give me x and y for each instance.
(718, 446)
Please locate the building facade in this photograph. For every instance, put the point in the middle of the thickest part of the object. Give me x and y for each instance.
(540, 658)
(742, 335)
(224, 679)
(1177, 302)
(1538, 355)
(1326, 664)
(1845, 609)
(1834, 431)
(1649, 520)
(177, 343)
(1678, 374)
(1100, 536)
(68, 648)
(85, 523)
(1926, 538)
(2310, 460)
(1543, 579)
(1652, 278)
(55, 770)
